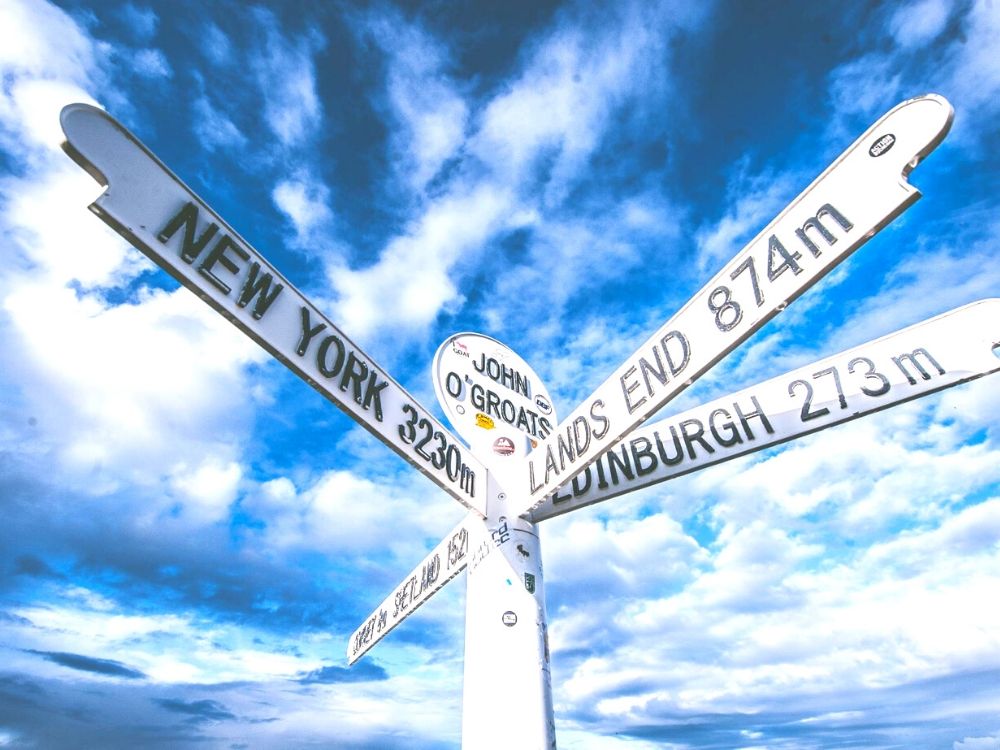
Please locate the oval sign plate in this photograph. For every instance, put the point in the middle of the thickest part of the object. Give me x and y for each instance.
(493, 399)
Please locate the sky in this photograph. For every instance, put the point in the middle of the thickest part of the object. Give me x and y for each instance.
(189, 533)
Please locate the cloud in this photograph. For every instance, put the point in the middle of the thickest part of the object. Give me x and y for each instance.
(306, 202)
(430, 113)
(83, 663)
(366, 671)
(919, 22)
(142, 21)
(977, 743)
(286, 75)
(199, 711)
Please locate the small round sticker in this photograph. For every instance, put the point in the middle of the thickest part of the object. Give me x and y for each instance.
(509, 619)
(503, 446)
(882, 145)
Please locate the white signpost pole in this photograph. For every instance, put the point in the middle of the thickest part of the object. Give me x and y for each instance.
(497, 403)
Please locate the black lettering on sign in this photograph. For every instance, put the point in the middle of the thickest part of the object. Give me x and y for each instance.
(878, 377)
(333, 358)
(458, 548)
(728, 311)
(571, 444)
(746, 417)
(814, 223)
(187, 217)
(258, 285)
(671, 355)
(255, 286)
(445, 455)
(505, 376)
(912, 359)
(637, 458)
(218, 255)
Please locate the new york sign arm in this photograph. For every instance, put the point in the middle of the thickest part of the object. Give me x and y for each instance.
(157, 213)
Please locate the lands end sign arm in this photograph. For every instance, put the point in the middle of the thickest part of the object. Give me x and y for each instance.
(857, 195)
(953, 348)
(939, 353)
(157, 213)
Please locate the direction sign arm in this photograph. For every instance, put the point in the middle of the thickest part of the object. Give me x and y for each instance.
(857, 195)
(443, 563)
(161, 216)
(953, 348)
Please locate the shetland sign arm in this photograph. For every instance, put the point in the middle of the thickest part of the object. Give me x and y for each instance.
(953, 348)
(444, 562)
(157, 213)
(857, 195)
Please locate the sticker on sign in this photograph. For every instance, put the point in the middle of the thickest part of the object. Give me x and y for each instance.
(844, 207)
(157, 213)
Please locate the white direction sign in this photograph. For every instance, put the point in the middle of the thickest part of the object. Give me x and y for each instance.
(847, 204)
(445, 562)
(953, 348)
(157, 213)
(492, 397)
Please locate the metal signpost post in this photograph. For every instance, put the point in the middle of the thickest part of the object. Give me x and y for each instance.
(522, 466)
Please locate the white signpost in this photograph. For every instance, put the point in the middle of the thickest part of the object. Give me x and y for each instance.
(524, 466)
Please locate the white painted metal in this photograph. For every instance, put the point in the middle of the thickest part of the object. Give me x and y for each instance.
(952, 348)
(847, 204)
(157, 213)
(507, 694)
(445, 562)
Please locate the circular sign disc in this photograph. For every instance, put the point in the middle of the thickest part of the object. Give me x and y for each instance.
(493, 399)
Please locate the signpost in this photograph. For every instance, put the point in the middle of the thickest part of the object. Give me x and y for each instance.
(524, 466)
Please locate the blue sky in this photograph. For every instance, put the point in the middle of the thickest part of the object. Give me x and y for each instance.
(189, 533)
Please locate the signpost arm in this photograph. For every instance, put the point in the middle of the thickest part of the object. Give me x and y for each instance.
(156, 212)
(857, 195)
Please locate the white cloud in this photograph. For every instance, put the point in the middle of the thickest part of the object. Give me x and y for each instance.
(977, 743)
(142, 21)
(919, 22)
(431, 115)
(306, 202)
(412, 281)
(151, 63)
(208, 488)
(215, 131)
(286, 75)
(754, 200)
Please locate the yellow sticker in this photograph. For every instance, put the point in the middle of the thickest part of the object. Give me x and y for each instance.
(484, 421)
